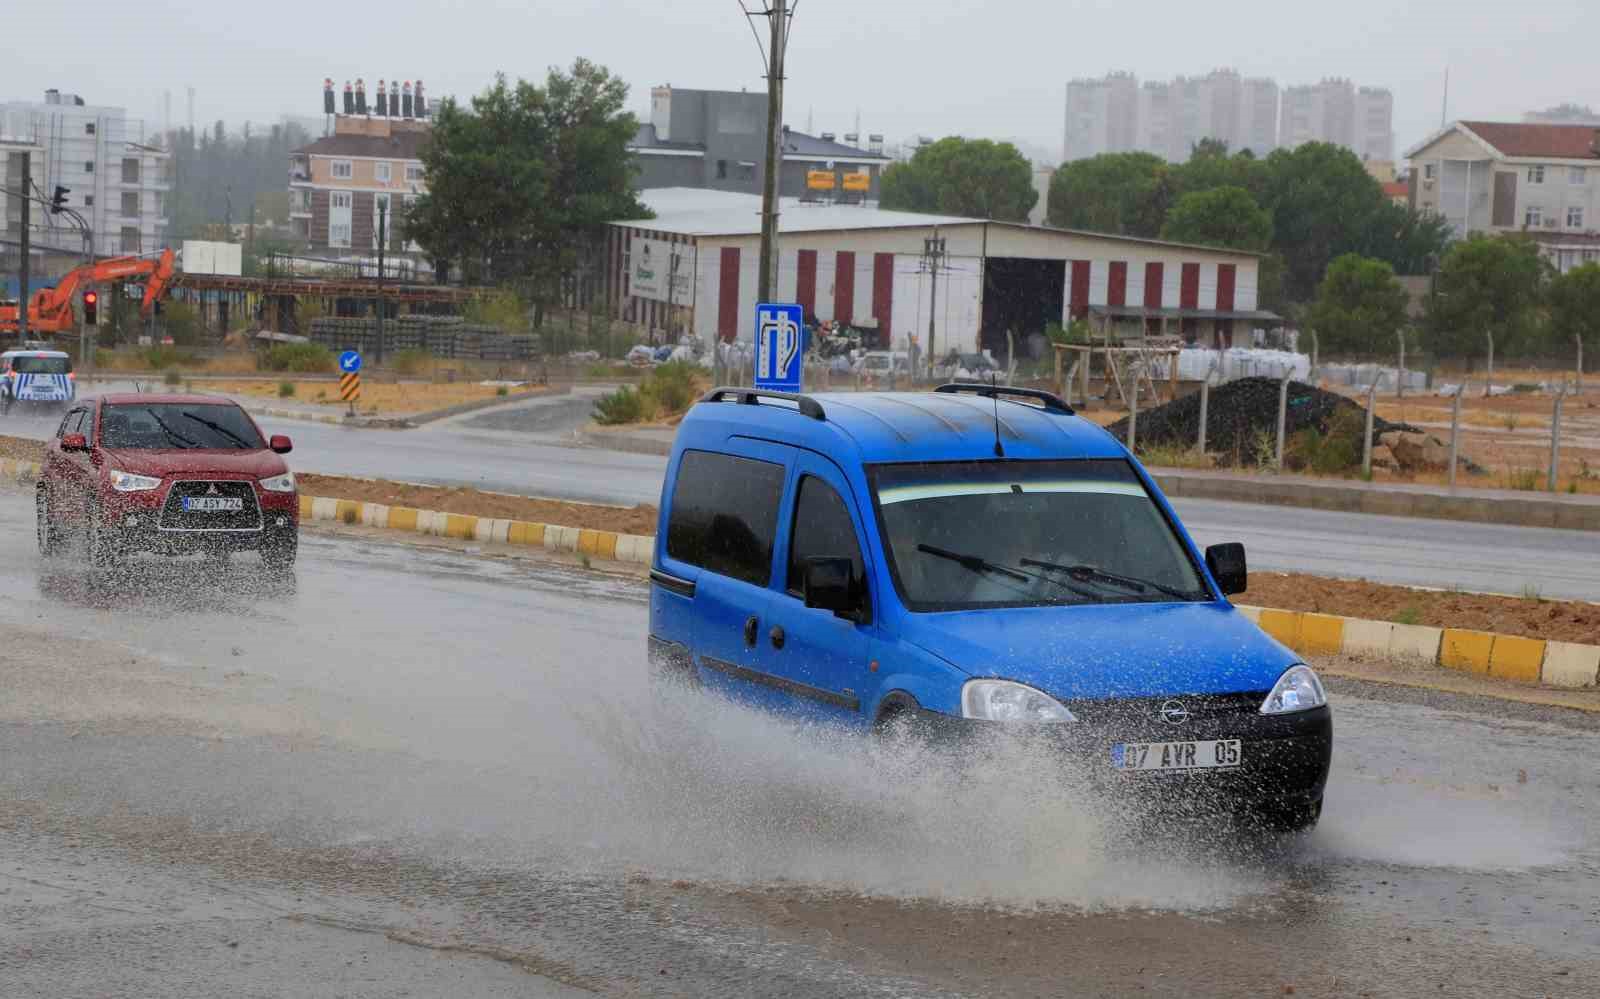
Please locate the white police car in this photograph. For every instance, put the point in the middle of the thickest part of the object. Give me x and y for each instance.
(37, 377)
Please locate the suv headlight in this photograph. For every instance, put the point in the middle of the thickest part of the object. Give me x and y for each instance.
(1004, 701)
(127, 482)
(279, 483)
(1298, 689)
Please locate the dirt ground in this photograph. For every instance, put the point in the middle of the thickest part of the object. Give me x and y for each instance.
(1557, 620)
(397, 398)
(21, 448)
(624, 520)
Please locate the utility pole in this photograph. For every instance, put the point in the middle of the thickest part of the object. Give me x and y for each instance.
(27, 251)
(383, 216)
(778, 14)
(933, 258)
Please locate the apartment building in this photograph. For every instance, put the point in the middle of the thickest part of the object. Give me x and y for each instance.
(1542, 180)
(118, 175)
(1102, 116)
(341, 183)
(1117, 114)
(1336, 111)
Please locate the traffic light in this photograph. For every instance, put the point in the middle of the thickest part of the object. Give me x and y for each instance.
(91, 300)
(60, 200)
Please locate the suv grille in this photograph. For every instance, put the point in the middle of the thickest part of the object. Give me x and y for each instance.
(175, 518)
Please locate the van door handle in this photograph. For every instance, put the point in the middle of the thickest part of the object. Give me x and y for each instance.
(776, 634)
(750, 626)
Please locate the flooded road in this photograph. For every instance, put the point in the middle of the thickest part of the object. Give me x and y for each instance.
(417, 772)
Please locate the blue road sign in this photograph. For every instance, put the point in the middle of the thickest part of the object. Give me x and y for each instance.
(349, 361)
(778, 354)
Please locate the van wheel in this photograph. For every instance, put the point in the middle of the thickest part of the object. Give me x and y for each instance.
(1296, 818)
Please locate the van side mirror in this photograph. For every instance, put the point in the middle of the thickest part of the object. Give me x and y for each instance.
(74, 442)
(828, 585)
(280, 444)
(1227, 565)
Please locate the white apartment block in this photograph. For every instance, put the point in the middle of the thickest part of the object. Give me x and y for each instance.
(118, 176)
(1117, 114)
(1336, 111)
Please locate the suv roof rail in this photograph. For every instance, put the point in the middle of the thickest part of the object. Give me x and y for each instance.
(1052, 402)
(752, 397)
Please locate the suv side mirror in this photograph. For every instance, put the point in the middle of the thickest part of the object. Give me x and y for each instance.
(828, 585)
(280, 444)
(1227, 565)
(74, 442)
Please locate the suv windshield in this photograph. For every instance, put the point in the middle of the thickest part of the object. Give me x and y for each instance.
(963, 535)
(30, 365)
(178, 425)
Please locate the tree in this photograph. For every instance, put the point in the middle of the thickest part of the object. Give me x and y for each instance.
(1321, 199)
(520, 183)
(1210, 167)
(1126, 193)
(1486, 284)
(1575, 307)
(1358, 308)
(1223, 216)
(956, 176)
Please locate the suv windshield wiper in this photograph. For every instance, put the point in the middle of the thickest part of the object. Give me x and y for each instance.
(219, 428)
(1090, 573)
(171, 433)
(977, 564)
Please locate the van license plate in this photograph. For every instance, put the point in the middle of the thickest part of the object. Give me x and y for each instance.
(213, 504)
(1206, 755)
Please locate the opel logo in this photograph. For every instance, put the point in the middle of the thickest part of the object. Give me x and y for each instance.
(1174, 713)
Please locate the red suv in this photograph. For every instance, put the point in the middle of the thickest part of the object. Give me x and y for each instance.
(171, 474)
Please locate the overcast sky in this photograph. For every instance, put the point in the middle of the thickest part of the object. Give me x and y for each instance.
(933, 67)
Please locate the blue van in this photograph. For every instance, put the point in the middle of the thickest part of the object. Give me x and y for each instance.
(968, 557)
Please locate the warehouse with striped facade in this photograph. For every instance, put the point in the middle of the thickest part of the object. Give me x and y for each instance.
(693, 268)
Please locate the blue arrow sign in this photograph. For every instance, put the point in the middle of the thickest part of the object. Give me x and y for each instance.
(349, 361)
(778, 347)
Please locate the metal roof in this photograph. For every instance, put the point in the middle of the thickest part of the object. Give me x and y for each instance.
(1147, 312)
(907, 426)
(695, 211)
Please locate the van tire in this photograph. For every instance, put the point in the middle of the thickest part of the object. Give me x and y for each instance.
(1288, 819)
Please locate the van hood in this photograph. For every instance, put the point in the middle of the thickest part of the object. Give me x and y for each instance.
(259, 463)
(1110, 650)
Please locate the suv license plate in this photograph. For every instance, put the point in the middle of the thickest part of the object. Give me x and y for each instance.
(212, 504)
(1206, 755)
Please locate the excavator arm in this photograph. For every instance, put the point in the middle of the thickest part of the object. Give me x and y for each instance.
(50, 310)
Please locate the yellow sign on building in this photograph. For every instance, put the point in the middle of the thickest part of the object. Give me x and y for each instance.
(819, 180)
(861, 181)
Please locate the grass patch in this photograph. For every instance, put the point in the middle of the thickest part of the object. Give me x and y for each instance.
(172, 377)
(1521, 479)
(666, 391)
(304, 358)
(1173, 456)
(413, 362)
(1531, 591)
(285, 390)
(1408, 615)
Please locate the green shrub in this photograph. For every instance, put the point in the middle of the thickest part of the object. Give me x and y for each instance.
(502, 390)
(1521, 479)
(622, 406)
(672, 386)
(181, 321)
(298, 357)
(172, 377)
(163, 356)
(412, 362)
(285, 390)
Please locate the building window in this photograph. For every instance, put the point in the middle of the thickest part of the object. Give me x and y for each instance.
(1590, 256)
(1429, 170)
(722, 169)
(1536, 174)
(88, 128)
(130, 204)
(339, 234)
(1575, 217)
(130, 171)
(130, 239)
(1577, 176)
(340, 199)
(1534, 217)
(380, 172)
(88, 166)
(342, 170)
(414, 173)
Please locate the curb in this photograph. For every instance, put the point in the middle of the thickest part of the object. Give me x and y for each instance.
(295, 414)
(608, 545)
(1501, 657)
(625, 442)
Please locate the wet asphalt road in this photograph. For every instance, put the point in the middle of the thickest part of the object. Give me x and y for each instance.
(417, 772)
(530, 449)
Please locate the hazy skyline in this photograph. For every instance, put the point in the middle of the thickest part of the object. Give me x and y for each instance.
(930, 67)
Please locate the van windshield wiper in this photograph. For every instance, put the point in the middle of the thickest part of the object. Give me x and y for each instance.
(977, 564)
(1090, 573)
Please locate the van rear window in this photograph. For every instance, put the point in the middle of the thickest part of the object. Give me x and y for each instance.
(725, 514)
(28, 364)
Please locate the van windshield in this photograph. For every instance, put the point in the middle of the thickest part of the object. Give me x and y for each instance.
(964, 535)
(30, 364)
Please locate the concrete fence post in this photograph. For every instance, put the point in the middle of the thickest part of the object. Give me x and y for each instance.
(1311, 376)
(1283, 413)
(1133, 415)
(1366, 444)
(1555, 438)
(1400, 375)
(1578, 388)
(1488, 385)
(1455, 431)
(1205, 404)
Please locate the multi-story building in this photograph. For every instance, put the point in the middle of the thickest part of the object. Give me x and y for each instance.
(1542, 180)
(1337, 112)
(341, 183)
(1564, 114)
(117, 175)
(717, 139)
(1116, 114)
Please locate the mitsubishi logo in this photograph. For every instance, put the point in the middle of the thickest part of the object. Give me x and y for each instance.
(212, 491)
(1174, 713)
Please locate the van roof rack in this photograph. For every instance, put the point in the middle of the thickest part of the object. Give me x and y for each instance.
(752, 397)
(1051, 402)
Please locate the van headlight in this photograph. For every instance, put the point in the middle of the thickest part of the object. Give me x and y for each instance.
(1004, 701)
(1298, 689)
(279, 483)
(127, 482)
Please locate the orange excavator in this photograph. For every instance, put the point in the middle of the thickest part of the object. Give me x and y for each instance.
(50, 309)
